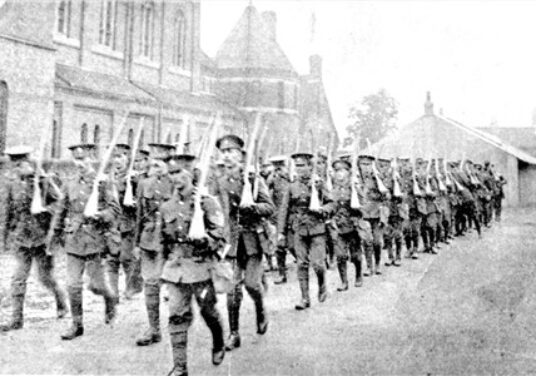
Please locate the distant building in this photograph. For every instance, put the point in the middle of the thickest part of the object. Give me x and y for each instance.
(433, 135)
(80, 65)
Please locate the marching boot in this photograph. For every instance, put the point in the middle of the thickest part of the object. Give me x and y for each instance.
(322, 288)
(77, 327)
(303, 278)
(377, 258)
(179, 350)
(17, 316)
(398, 254)
(61, 305)
(368, 258)
(152, 303)
(218, 347)
(233, 309)
(358, 277)
(342, 266)
(282, 269)
(110, 303)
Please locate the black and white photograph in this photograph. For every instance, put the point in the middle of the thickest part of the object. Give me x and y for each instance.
(267, 187)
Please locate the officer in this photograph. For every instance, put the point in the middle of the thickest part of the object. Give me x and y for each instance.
(349, 223)
(152, 192)
(186, 270)
(122, 255)
(308, 225)
(86, 238)
(29, 232)
(372, 209)
(278, 184)
(245, 233)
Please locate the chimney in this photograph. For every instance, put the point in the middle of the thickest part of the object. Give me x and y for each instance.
(428, 105)
(315, 66)
(270, 20)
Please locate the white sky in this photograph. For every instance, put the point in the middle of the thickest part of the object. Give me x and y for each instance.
(476, 57)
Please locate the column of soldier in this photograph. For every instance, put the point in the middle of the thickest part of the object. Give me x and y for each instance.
(316, 210)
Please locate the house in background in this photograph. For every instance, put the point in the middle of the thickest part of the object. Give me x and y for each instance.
(78, 66)
(433, 135)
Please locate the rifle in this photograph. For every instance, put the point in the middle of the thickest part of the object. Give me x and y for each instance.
(381, 187)
(128, 200)
(256, 158)
(355, 203)
(37, 199)
(197, 227)
(397, 192)
(442, 187)
(428, 187)
(314, 204)
(448, 180)
(247, 194)
(329, 182)
(92, 204)
(416, 190)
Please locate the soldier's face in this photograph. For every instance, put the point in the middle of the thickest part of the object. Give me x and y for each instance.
(366, 167)
(24, 168)
(231, 156)
(158, 168)
(303, 169)
(141, 165)
(120, 162)
(342, 175)
(281, 170)
(182, 179)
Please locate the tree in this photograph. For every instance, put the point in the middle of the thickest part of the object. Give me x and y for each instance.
(373, 118)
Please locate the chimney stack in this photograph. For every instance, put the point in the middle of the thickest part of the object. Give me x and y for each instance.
(270, 20)
(315, 66)
(428, 105)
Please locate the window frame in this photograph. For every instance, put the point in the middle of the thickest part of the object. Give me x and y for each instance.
(108, 30)
(179, 40)
(147, 30)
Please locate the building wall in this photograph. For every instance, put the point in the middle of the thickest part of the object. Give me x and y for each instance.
(28, 72)
(527, 183)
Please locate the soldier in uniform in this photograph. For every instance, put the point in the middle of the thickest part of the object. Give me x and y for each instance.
(308, 226)
(86, 238)
(443, 202)
(122, 255)
(186, 270)
(29, 233)
(417, 208)
(499, 196)
(352, 229)
(245, 233)
(430, 221)
(398, 213)
(152, 192)
(331, 231)
(372, 210)
(278, 184)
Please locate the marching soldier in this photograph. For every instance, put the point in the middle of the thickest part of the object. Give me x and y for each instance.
(30, 233)
(152, 192)
(245, 232)
(308, 225)
(186, 270)
(430, 221)
(499, 196)
(278, 184)
(86, 238)
(372, 210)
(353, 231)
(417, 209)
(123, 256)
(331, 231)
(398, 213)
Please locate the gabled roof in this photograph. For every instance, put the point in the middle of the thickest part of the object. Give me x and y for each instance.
(250, 46)
(432, 136)
(28, 21)
(523, 138)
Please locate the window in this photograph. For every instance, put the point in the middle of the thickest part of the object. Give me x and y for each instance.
(168, 138)
(281, 94)
(3, 115)
(180, 40)
(147, 30)
(83, 134)
(63, 18)
(96, 135)
(107, 23)
(130, 138)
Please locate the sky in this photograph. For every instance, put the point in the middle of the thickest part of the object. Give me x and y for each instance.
(477, 58)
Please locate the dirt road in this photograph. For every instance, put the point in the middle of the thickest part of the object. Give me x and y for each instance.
(467, 310)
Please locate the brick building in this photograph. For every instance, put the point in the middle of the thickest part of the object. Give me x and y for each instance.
(81, 65)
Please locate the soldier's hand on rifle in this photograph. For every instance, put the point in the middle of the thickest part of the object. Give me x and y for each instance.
(136, 253)
(281, 240)
(200, 243)
(248, 210)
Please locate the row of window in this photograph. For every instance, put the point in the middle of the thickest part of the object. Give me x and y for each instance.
(108, 27)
